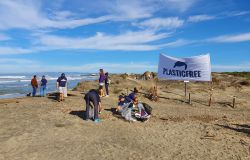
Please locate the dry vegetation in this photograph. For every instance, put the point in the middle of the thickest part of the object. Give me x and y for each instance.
(42, 128)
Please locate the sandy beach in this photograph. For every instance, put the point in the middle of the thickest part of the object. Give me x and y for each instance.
(44, 129)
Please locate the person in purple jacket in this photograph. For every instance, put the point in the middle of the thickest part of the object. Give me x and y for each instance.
(101, 82)
(43, 84)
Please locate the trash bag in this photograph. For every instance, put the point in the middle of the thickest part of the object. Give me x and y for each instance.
(126, 113)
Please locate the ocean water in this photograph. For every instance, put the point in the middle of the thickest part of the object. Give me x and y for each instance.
(18, 85)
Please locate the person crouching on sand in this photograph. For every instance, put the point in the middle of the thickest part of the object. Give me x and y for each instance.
(142, 114)
(43, 85)
(34, 85)
(132, 95)
(61, 85)
(121, 103)
(93, 97)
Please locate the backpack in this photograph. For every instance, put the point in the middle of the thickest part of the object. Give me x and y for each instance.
(147, 108)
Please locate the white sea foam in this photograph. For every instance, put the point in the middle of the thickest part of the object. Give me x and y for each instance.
(6, 82)
(12, 77)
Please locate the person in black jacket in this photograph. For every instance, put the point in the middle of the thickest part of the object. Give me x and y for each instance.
(93, 97)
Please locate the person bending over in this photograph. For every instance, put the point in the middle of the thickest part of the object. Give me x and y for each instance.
(93, 97)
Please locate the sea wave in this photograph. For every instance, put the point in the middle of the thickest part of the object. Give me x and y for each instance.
(5, 82)
(11, 95)
(12, 77)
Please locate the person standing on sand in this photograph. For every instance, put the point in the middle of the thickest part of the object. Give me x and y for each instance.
(107, 82)
(34, 85)
(93, 96)
(101, 81)
(43, 84)
(61, 85)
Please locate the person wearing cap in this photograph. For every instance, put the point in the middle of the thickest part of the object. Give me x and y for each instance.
(43, 84)
(34, 85)
(61, 85)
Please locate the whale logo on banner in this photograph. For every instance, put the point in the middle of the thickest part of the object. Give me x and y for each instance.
(196, 68)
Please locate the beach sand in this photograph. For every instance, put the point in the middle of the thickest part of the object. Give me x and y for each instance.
(44, 129)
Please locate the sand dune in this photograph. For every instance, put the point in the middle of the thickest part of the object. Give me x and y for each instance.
(41, 128)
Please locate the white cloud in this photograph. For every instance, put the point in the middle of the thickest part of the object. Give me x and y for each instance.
(131, 9)
(28, 15)
(161, 23)
(237, 13)
(180, 5)
(230, 38)
(128, 41)
(178, 43)
(14, 50)
(199, 18)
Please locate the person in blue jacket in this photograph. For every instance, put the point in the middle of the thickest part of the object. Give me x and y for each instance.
(43, 85)
(132, 95)
(61, 85)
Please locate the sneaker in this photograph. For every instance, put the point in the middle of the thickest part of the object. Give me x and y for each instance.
(97, 120)
(107, 96)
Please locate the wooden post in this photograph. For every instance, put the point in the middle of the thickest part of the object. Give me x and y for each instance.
(210, 94)
(234, 99)
(210, 100)
(185, 89)
(189, 98)
(185, 82)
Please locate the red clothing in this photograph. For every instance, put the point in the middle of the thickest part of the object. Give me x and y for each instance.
(34, 82)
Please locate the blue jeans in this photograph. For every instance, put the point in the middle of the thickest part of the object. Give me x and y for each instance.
(34, 91)
(43, 91)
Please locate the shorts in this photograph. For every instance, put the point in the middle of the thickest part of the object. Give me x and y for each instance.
(101, 84)
(63, 90)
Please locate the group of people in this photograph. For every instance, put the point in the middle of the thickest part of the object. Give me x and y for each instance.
(128, 106)
(104, 80)
(61, 85)
(132, 109)
(43, 84)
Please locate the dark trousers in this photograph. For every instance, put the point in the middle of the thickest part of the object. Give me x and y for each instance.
(88, 98)
(34, 91)
(107, 88)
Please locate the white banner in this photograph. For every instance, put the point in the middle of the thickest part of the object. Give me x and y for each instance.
(196, 68)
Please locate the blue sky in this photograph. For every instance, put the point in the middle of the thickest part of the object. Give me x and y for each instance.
(121, 35)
